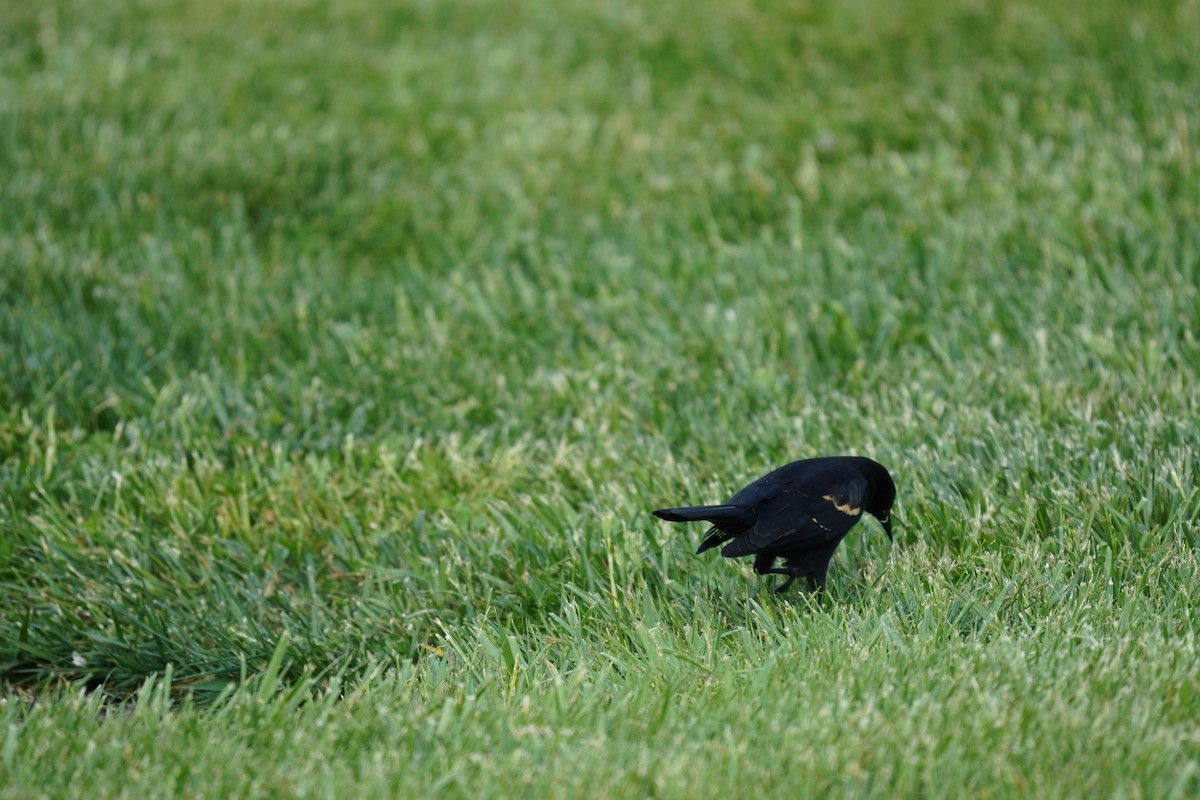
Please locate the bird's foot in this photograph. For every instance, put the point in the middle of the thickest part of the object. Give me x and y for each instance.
(783, 587)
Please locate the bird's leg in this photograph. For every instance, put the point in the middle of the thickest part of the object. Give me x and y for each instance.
(763, 563)
(783, 587)
(792, 575)
(814, 583)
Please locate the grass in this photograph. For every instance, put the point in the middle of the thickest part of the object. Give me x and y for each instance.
(344, 350)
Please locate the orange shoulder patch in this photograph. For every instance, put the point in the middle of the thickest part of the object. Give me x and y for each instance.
(845, 508)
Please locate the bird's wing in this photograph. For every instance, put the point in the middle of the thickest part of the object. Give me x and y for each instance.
(810, 511)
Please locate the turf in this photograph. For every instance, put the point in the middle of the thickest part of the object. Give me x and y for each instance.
(345, 348)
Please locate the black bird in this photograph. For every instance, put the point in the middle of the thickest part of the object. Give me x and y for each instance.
(799, 513)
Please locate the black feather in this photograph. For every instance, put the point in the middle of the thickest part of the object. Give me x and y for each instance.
(800, 513)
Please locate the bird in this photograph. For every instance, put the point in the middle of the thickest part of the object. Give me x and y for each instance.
(799, 512)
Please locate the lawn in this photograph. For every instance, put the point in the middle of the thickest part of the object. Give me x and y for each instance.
(346, 346)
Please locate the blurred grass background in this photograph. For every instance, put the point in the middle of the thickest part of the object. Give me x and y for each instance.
(345, 347)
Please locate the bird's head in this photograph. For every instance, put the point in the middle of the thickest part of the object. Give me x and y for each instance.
(881, 493)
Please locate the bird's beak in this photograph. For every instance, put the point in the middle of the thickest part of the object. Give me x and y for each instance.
(886, 522)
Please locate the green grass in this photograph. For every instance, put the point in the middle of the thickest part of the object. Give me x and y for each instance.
(345, 348)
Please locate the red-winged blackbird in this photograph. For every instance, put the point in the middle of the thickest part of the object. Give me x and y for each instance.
(799, 513)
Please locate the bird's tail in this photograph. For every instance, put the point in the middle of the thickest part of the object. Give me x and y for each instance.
(727, 521)
(713, 514)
